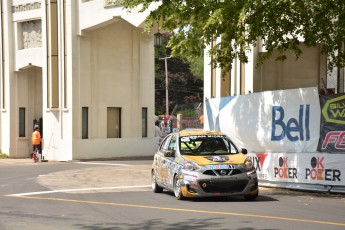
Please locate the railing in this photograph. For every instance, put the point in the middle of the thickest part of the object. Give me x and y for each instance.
(108, 3)
(26, 7)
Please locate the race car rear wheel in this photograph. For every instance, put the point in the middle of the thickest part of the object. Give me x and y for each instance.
(155, 187)
(177, 188)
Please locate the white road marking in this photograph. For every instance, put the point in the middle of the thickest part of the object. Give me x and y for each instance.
(96, 163)
(75, 190)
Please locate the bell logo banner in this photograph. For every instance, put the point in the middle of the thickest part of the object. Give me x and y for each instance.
(272, 121)
(294, 129)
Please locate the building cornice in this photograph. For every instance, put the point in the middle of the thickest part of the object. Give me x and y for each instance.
(26, 7)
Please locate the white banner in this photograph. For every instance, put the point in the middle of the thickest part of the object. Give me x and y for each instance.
(273, 121)
(304, 168)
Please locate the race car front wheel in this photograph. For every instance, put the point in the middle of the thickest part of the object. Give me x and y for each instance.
(177, 188)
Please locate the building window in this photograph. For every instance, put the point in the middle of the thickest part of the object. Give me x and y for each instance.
(113, 122)
(21, 122)
(85, 123)
(144, 122)
(30, 35)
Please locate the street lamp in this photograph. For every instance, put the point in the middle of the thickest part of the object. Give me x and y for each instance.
(158, 39)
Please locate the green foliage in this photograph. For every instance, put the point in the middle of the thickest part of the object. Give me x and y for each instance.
(280, 24)
(183, 86)
(187, 112)
(197, 66)
(3, 156)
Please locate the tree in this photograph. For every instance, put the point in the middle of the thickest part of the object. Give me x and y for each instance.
(280, 24)
(184, 77)
(197, 66)
(184, 87)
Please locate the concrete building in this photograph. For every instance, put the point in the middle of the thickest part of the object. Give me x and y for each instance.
(310, 70)
(83, 70)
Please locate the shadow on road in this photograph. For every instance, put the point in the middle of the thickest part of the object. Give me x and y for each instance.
(200, 224)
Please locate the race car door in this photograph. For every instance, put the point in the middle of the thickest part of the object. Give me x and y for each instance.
(162, 161)
(168, 160)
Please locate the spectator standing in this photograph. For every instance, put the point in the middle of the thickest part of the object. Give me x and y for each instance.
(158, 134)
(36, 140)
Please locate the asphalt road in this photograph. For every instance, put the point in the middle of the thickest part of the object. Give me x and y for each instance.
(117, 195)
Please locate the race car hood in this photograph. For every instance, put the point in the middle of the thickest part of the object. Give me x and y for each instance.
(217, 159)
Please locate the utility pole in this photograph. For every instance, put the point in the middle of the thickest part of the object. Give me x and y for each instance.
(166, 86)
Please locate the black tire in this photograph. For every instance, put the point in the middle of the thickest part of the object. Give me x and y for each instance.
(155, 187)
(252, 197)
(177, 189)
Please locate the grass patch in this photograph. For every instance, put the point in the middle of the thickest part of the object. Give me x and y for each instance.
(3, 156)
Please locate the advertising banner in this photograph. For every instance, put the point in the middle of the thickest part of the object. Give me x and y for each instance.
(272, 121)
(307, 168)
(332, 136)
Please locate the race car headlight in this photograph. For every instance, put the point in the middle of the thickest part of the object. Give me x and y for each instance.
(191, 166)
(248, 164)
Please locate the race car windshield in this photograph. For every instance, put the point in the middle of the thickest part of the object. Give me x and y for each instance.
(206, 145)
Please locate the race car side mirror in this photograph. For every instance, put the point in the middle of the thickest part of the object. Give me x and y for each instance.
(244, 151)
(169, 153)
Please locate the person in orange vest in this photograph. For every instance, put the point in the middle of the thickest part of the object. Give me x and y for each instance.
(36, 140)
(201, 119)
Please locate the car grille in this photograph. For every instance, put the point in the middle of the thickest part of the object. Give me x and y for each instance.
(222, 172)
(228, 186)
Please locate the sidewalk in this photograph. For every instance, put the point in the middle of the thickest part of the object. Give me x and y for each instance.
(13, 161)
(29, 160)
(96, 176)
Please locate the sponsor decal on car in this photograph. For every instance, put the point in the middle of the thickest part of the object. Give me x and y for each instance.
(194, 137)
(231, 159)
(218, 158)
(189, 177)
(220, 166)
